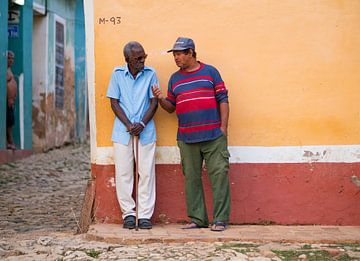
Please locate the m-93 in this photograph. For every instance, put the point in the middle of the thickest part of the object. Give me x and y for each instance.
(110, 20)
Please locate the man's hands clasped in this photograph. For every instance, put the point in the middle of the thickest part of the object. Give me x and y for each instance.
(135, 128)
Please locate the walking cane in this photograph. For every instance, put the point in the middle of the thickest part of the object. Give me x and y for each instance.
(136, 139)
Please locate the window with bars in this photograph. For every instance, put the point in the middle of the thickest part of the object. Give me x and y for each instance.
(59, 63)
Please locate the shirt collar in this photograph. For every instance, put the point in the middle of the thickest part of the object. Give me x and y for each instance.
(127, 72)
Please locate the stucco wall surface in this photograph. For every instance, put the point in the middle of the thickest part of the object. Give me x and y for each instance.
(292, 67)
(53, 126)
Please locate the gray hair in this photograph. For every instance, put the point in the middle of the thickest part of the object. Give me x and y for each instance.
(131, 46)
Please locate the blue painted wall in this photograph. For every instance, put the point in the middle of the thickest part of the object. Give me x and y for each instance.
(40, 2)
(66, 10)
(27, 52)
(22, 48)
(3, 68)
(72, 11)
(68, 123)
(80, 72)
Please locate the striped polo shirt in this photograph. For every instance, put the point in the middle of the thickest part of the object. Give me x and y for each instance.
(196, 96)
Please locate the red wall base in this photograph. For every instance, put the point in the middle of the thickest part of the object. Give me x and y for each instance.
(13, 155)
(299, 193)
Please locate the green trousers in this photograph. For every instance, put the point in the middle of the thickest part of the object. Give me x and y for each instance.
(216, 156)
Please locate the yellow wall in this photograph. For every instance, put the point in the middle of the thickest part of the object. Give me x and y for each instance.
(292, 67)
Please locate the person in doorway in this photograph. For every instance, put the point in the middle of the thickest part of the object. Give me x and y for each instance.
(200, 98)
(11, 93)
(134, 106)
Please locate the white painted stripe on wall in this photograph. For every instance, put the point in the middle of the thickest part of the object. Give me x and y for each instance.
(257, 154)
(104, 156)
(296, 154)
(90, 63)
(21, 107)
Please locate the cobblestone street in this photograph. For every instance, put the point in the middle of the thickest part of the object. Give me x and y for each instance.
(40, 202)
(44, 191)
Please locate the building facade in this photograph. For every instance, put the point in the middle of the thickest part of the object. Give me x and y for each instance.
(48, 40)
(59, 79)
(292, 69)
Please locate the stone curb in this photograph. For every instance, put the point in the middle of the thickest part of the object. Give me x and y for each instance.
(173, 233)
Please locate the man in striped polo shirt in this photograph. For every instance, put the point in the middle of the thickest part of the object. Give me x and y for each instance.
(198, 94)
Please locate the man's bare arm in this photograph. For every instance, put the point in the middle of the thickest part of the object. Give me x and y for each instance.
(139, 127)
(149, 114)
(224, 115)
(165, 104)
(115, 106)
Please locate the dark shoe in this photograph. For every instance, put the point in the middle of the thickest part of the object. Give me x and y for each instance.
(129, 222)
(145, 223)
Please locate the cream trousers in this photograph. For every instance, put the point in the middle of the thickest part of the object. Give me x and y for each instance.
(124, 172)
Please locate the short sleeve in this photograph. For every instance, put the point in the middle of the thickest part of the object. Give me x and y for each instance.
(170, 94)
(113, 89)
(221, 93)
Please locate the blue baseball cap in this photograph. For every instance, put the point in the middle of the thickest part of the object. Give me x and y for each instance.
(183, 43)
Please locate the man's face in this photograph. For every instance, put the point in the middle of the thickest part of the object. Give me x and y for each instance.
(10, 60)
(182, 60)
(136, 60)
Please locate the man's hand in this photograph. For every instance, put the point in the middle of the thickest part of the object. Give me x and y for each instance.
(224, 115)
(224, 130)
(129, 127)
(165, 104)
(136, 129)
(157, 92)
(11, 102)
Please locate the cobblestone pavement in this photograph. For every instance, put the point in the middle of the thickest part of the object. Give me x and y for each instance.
(40, 202)
(44, 191)
(62, 246)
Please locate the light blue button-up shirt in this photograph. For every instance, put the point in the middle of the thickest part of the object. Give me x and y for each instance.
(134, 98)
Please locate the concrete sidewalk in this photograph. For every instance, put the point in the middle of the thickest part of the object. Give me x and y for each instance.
(114, 233)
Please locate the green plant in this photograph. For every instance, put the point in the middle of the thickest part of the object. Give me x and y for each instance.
(306, 246)
(93, 253)
(289, 255)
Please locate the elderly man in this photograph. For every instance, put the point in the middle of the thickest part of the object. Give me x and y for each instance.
(134, 106)
(200, 98)
(11, 93)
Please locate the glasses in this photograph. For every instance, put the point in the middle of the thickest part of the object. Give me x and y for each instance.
(140, 58)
